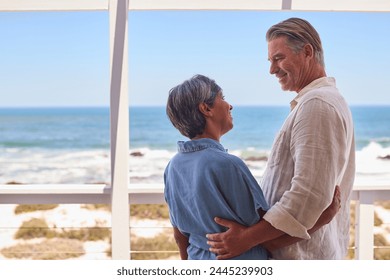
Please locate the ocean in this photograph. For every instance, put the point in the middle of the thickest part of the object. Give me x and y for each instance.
(71, 145)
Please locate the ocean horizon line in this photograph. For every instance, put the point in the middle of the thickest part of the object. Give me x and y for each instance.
(83, 127)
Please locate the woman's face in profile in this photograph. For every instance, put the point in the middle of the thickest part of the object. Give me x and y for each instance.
(222, 114)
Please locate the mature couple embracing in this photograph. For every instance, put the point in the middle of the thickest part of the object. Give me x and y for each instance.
(301, 211)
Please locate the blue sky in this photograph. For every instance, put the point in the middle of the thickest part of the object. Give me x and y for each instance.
(62, 58)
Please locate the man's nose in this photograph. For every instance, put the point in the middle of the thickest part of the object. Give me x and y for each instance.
(273, 68)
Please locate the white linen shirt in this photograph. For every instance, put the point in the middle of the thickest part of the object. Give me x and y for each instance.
(313, 152)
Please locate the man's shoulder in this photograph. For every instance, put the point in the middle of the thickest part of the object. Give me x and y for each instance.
(324, 95)
(325, 92)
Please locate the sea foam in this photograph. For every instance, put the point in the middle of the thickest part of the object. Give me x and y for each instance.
(146, 165)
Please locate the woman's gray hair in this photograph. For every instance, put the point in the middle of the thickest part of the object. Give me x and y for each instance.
(299, 32)
(183, 104)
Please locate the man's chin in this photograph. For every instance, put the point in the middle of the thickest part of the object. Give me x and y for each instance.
(285, 88)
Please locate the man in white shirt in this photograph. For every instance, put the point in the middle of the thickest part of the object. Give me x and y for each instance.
(313, 152)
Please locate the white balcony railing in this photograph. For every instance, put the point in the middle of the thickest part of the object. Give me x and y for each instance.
(365, 197)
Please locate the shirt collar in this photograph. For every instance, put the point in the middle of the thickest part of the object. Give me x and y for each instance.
(199, 144)
(320, 82)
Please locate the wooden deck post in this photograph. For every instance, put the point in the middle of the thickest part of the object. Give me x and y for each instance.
(119, 121)
(364, 226)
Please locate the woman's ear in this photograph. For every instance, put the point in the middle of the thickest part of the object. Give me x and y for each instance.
(205, 109)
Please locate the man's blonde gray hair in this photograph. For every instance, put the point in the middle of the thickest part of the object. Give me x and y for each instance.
(298, 32)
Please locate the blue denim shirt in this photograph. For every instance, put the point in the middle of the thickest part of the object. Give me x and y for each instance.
(203, 181)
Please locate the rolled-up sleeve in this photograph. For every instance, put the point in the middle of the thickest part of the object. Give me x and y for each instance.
(317, 146)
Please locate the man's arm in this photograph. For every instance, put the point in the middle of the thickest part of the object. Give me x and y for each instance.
(182, 243)
(325, 218)
(238, 238)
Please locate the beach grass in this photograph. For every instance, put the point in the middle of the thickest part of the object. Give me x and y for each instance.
(38, 228)
(159, 247)
(50, 249)
(34, 228)
(377, 220)
(25, 208)
(140, 211)
(87, 234)
(162, 246)
(149, 211)
(384, 204)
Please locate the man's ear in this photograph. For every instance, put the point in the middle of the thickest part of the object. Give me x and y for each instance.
(205, 109)
(309, 51)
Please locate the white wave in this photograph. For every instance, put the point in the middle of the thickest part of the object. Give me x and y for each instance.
(370, 168)
(146, 165)
(38, 166)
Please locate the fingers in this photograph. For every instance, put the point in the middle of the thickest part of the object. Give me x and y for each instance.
(214, 237)
(337, 197)
(224, 256)
(218, 236)
(218, 249)
(221, 254)
(223, 222)
(216, 240)
(215, 245)
(337, 192)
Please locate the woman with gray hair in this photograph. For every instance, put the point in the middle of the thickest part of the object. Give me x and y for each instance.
(202, 180)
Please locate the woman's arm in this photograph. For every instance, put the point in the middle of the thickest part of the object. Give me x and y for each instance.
(325, 218)
(182, 243)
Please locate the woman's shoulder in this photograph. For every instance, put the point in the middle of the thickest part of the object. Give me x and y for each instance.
(224, 159)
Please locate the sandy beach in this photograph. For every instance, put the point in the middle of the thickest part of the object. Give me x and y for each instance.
(76, 216)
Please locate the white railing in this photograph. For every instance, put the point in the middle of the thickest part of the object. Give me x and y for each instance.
(364, 195)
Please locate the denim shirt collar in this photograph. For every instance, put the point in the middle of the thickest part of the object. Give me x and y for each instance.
(197, 145)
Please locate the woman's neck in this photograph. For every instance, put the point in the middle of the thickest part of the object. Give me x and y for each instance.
(206, 135)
